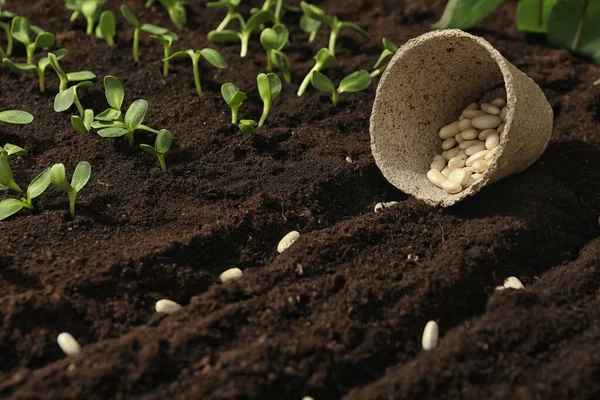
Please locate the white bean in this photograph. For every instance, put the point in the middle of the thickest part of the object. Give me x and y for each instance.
(436, 177)
(451, 153)
(231, 274)
(448, 143)
(498, 102)
(431, 335)
(472, 106)
(477, 177)
(501, 128)
(503, 113)
(455, 163)
(513, 282)
(459, 138)
(473, 179)
(465, 124)
(479, 166)
(451, 186)
(470, 134)
(490, 155)
(468, 143)
(438, 163)
(460, 176)
(490, 109)
(287, 241)
(486, 121)
(480, 155)
(68, 344)
(474, 149)
(446, 172)
(449, 131)
(484, 134)
(167, 306)
(472, 114)
(492, 141)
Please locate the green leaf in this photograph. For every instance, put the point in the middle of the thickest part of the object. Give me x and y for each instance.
(575, 27)
(465, 13)
(274, 38)
(355, 28)
(214, 57)
(78, 125)
(228, 91)
(224, 36)
(264, 89)
(6, 175)
(315, 13)
(116, 131)
(80, 76)
(259, 18)
(10, 207)
(130, 17)
(44, 39)
(532, 15)
(322, 83)
(355, 82)
(149, 149)
(107, 26)
(88, 118)
(63, 100)
(154, 30)
(309, 25)
(19, 29)
(163, 141)
(19, 66)
(109, 114)
(12, 149)
(178, 15)
(274, 85)
(81, 176)
(38, 185)
(15, 117)
(114, 92)
(135, 114)
(181, 54)
(325, 58)
(107, 124)
(58, 177)
(391, 47)
(248, 126)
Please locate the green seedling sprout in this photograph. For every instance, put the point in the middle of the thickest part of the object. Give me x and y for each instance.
(230, 6)
(269, 87)
(167, 40)
(336, 25)
(273, 40)
(355, 82)
(389, 49)
(6, 27)
(114, 92)
(16, 117)
(212, 56)
(138, 28)
(11, 149)
(176, 10)
(133, 121)
(80, 178)
(107, 27)
(65, 99)
(66, 78)
(323, 59)
(310, 26)
(234, 99)
(247, 27)
(83, 125)
(36, 187)
(248, 126)
(7, 180)
(162, 144)
(40, 68)
(268, 5)
(22, 32)
(90, 9)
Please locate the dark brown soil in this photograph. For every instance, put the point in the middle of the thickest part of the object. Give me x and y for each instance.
(338, 315)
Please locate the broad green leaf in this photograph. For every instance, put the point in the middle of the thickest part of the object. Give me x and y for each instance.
(224, 36)
(6, 175)
(135, 114)
(154, 30)
(248, 126)
(315, 13)
(163, 141)
(259, 18)
(532, 15)
(58, 177)
(13, 149)
(19, 66)
(214, 57)
(130, 17)
(325, 59)
(63, 100)
(77, 124)
(116, 131)
(16, 117)
(45, 39)
(238, 99)
(355, 28)
(146, 128)
(181, 54)
(274, 85)
(148, 149)
(19, 29)
(309, 25)
(88, 118)
(465, 13)
(389, 49)
(177, 14)
(83, 85)
(39, 184)
(576, 28)
(89, 8)
(322, 83)
(80, 76)
(113, 89)
(107, 26)
(268, 38)
(81, 176)
(264, 89)
(355, 82)
(228, 91)
(53, 59)
(107, 124)
(108, 115)
(389, 45)
(10, 207)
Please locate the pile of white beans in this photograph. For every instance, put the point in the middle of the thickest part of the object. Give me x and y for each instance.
(469, 146)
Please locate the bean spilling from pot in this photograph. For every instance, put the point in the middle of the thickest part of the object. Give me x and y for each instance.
(469, 146)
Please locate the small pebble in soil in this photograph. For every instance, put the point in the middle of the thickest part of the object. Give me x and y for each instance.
(349, 160)
(287, 241)
(307, 398)
(167, 306)
(513, 282)
(68, 344)
(231, 274)
(468, 146)
(430, 335)
(379, 207)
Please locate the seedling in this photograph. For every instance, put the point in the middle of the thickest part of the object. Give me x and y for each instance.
(162, 144)
(230, 6)
(66, 78)
(65, 99)
(273, 40)
(137, 28)
(43, 63)
(90, 9)
(107, 27)
(6, 27)
(133, 121)
(114, 92)
(212, 56)
(269, 87)
(11, 149)
(336, 25)
(323, 59)
(22, 32)
(176, 10)
(167, 40)
(16, 117)
(389, 49)
(7, 180)
(355, 82)
(36, 187)
(247, 27)
(83, 125)
(310, 26)
(248, 126)
(234, 99)
(80, 178)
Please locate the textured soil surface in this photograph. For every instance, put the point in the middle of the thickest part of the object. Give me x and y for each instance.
(340, 314)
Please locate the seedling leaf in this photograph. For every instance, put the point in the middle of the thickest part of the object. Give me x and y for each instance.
(115, 131)
(80, 76)
(45, 39)
(135, 114)
(154, 30)
(12, 149)
(223, 37)
(10, 207)
(77, 124)
(114, 92)
(164, 139)
(248, 126)
(258, 19)
(63, 100)
(130, 16)
(149, 149)
(39, 184)
(214, 57)
(465, 13)
(322, 83)
(16, 117)
(81, 176)
(107, 27)
(229, 90)
(20, 30)
(58, 177)
(315, 13)
(108, 115)
(355, 82)
(532, 15)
